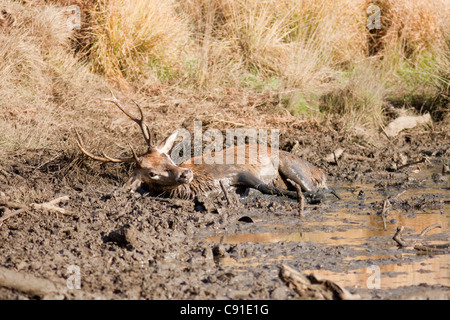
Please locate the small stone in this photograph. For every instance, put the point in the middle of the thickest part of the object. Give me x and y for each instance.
(279, 293)
(219, 250)
(125, 236)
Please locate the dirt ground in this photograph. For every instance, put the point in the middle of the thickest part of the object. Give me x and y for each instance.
(132, 246)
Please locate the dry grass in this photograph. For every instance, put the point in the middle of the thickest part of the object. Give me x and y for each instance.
(316, 58)
(306, 50)
(249, 42)
(43, 86)
(137, 40)
(416, 27)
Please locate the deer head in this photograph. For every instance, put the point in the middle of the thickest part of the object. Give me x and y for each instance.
(154, 168)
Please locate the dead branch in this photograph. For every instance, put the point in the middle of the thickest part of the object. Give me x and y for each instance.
(12, 214)
(313, 287)
(7, 174)
(11, 204)
(41, 287)
(424, 159)
(46, 206)
(29, 284)
(358, 158)
(385, 212)
(433, 226)
(51, 205)
(227, 194)
(398, 238)
(424, 248)
(433, 249)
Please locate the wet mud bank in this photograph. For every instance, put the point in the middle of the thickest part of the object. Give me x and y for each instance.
(97, 242)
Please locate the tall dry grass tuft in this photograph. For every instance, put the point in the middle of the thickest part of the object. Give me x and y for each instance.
(359, 100)
(416, 41)
(329, 37)
(248, 42)
(318, 56)
(137, 40)
(416, 52)
(304, 49)
(42, 83)
(416, 27)
(214, 61)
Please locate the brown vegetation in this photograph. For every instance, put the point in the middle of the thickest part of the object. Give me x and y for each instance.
(227, 63)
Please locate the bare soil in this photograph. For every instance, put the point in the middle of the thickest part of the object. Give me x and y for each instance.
(132, 246)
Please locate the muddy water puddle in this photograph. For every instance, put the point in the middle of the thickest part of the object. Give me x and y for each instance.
(355, 224)
(432, 271)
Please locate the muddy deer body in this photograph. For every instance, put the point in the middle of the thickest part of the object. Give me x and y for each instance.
(191, 179)
(274, 171)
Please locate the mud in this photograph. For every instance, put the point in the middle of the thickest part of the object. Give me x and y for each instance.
(132, 246)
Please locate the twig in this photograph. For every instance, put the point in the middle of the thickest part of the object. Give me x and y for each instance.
(387, 208)
(238, 124)
(433, 226)
(47, 162)
(11, 204)
(424, 159)
(313, 287)
(429, 249)
(335, 158)
(385, 212)
(29, 284)
(398, 238)
(12, 214)
(301, 201)
(227, 195)
(41, 287)
(358, 158)
(49, 206)
(8, 174)
(398, 195)
(443, 248)
(333, 192)
(301, 198)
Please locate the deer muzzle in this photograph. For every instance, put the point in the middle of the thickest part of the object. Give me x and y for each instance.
(185, 177)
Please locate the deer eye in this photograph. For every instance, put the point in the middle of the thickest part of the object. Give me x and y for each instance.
(152, 175)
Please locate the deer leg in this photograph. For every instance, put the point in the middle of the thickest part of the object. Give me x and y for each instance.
(295, 174)
(306, 175)
(248, 180)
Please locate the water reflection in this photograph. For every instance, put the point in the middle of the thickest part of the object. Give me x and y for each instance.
(431, 271)
(354, 222)
(265, 237)
(356, 231)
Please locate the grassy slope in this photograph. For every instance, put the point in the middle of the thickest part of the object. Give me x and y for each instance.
(314, 60)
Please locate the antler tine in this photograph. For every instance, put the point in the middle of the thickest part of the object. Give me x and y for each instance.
(148, 135)
(144, 128)
(135, 155)
(105, 158)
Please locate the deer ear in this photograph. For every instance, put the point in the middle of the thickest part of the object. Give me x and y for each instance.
(166, 145)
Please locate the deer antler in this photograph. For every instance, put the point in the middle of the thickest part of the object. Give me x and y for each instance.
(105, 158)
(144, 128)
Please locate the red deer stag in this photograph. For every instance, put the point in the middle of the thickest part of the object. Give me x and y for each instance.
(156, 171)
